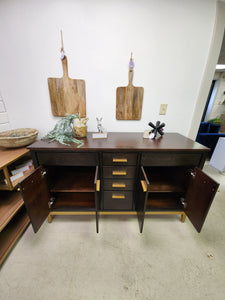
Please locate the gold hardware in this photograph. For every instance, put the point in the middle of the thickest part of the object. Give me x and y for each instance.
(119, 159)
(98, 185)
(119, 173)
(144, 185)
(118, 196)
(118, 185)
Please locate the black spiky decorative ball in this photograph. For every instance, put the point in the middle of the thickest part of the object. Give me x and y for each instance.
(158, 128)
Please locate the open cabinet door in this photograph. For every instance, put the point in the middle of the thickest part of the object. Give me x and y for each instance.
(199, 196)
(36, 197)
(97, 197)
(141, 197)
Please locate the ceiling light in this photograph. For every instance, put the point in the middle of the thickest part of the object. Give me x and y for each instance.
(220, 67)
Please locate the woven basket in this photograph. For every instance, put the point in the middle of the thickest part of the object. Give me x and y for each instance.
(18, 137)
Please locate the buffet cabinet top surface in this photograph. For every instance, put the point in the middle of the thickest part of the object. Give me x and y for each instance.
(125, 141)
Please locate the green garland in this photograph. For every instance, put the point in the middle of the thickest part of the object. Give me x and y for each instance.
(63, 131)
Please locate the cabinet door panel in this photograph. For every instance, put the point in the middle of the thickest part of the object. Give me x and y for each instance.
(97, 184)
(141, 197)
(199, 196)
(36, 197)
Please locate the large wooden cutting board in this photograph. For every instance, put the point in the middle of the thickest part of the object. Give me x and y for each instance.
(67, 95)
(129, 101)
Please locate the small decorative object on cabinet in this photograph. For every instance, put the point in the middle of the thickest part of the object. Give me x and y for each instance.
(102, 133)
(13, 216)
(146, 134)
(80, 127)
(129, 99)
(63, 131)
(17, 138)
(158, 128)
(122, 174)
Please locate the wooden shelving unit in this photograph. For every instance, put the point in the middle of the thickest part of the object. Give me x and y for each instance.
(13, 217)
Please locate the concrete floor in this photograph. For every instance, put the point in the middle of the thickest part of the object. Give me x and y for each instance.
(170, 260)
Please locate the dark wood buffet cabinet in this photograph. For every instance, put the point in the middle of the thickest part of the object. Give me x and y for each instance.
(123, 174)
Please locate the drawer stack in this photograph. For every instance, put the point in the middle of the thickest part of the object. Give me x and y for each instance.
(119, 171)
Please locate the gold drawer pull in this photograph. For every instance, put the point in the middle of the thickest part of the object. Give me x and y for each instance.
(118, 196)
(98, 185)
(119, 159)
(119, 172)
(118, 185)
(144, 185)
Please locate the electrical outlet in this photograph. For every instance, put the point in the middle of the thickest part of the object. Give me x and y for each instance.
(163, 109)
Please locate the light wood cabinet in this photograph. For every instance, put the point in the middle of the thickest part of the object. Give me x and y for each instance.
(13, 215)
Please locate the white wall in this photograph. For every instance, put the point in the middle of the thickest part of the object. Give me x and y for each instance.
(209, 70)
(170, 41)
(4, 118)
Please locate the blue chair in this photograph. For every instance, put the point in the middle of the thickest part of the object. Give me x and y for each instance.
(208, 135)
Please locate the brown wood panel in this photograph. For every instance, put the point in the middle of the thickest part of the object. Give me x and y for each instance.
(116, 158)
(7, 156)
(114, 172)
(12, 232)
(67, 95)
(170, 159)
(113, 200)
(125, 142)
(164, 202)
(67, 159)
(129, 100)
(199, 197)
(166, 179)
(10, 203)
(74, 201)
(36, 197)
(73, 179)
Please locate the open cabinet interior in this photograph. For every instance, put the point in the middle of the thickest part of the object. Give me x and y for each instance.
(72, 188)
(167, 187)
(60, 190)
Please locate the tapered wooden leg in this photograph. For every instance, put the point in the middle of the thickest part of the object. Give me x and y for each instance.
(183, 217)
(49, 218)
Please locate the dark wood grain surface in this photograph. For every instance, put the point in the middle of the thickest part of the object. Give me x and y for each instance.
(125, 141)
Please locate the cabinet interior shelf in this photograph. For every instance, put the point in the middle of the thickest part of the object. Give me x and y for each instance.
(165, 202)
(166, 179)
(10, 203)
(12, 232)
(73, 201)
(69, 179)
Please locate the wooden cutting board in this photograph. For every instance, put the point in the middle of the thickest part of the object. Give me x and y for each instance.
(129, 101)
(67, 95)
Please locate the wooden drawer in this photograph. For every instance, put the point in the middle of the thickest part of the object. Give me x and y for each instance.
(111, 159)
(119, 172)
(170, 159)
(118, 200)
(118, 184)
(67, 159)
